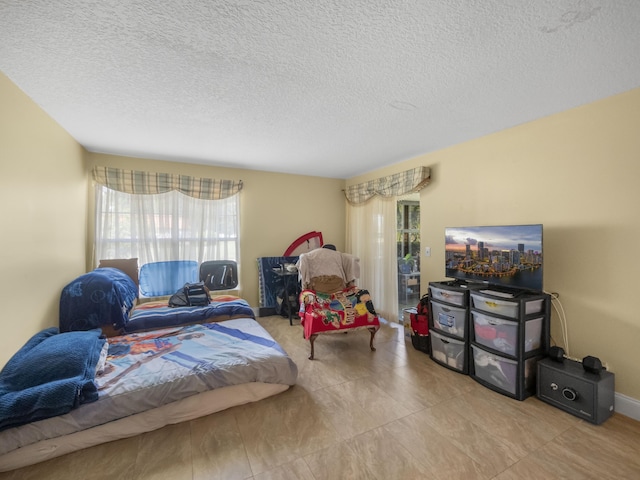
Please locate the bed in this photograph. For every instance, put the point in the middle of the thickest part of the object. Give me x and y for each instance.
(144, 381)
(108, 298)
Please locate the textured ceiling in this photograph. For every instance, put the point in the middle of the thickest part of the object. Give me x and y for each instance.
(326, 88)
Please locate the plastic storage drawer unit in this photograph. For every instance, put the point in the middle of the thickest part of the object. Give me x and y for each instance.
(505, 308)
(503, 335)
(451, 320)
(449, 352)
(450, 296)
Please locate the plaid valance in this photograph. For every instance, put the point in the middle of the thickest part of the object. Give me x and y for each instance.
(389, 186)
(137, 182)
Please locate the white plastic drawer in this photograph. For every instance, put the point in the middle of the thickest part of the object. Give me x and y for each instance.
(495, 306)
(449, 296)
(496, 370)
(533, 306)
(448, 351)
(504, 307)
(452, 320)
(502, 335)
(533, 334)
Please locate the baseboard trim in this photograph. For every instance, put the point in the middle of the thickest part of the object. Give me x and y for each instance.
(627, 406)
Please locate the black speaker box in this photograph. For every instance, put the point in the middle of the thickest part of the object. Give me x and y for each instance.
(568, 386)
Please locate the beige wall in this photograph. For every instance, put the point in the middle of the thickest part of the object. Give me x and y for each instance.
(48, 232)
(577, 173)
(43, 187)
(275, 209)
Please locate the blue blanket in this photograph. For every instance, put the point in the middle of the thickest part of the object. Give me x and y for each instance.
(102, 297)
(50, 375)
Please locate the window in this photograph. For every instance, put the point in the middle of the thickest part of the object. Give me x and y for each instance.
(408, 247)
(165, 226)
(409, 230)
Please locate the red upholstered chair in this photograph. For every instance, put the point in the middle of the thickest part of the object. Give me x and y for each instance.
(330, 301)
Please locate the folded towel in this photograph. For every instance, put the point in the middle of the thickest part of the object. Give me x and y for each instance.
(50, 375)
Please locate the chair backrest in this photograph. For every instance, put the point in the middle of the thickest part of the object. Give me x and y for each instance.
(166, 278)
(127, 265)
(327, 270)
(219, 274)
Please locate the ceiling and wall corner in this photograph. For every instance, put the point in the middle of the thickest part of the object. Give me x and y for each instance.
(333, 89)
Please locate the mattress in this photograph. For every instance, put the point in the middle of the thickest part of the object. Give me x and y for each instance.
(155, 378)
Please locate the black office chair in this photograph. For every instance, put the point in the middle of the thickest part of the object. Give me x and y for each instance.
(219, 274)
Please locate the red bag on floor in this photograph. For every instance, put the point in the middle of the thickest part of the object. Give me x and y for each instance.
(420, 325)
(420, 320)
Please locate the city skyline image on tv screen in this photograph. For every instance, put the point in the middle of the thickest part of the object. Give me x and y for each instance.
(508, 255)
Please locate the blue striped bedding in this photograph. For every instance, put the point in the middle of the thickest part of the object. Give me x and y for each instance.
(154, 315)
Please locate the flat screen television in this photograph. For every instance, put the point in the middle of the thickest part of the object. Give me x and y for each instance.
(508, 256)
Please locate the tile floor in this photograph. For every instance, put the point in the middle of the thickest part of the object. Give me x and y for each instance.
(357, 414)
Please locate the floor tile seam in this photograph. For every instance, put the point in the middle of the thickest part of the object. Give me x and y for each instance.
(447, 399)
(528, 455)
(499, 438)
(244, 441)
(401, 445)
(594, 436)
(304, 459)
(470, 418)
(192, 448)
(579, 433)
(426, 466)
(482, 429)
(383, 392)
(539, 450)
(382, 370)
(504, 442)
(335, 385)
(343, 441)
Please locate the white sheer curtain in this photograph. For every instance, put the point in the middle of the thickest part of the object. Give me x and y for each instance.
(166, 226)
(371, 236)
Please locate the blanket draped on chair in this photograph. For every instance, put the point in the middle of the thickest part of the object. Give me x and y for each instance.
(332, 312)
